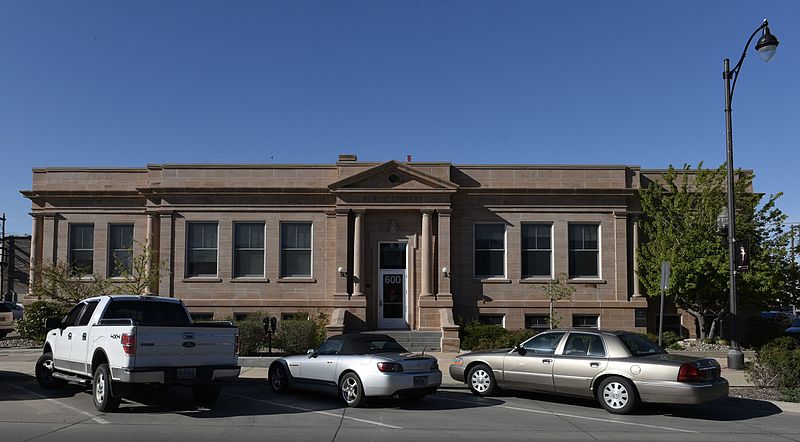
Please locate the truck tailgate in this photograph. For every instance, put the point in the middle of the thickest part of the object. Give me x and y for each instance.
(184, 346)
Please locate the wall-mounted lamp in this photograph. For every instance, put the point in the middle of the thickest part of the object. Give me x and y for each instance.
(445, 272)
(342, 273)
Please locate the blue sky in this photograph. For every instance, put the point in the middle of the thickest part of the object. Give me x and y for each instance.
(113, 83)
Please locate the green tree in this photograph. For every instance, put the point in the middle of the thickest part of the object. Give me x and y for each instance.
(555, 290)
(59, 283)
(143, 274)
(679, 226)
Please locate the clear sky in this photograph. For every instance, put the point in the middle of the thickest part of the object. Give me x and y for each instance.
(121, 83)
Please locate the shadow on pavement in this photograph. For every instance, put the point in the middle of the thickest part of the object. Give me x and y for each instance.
(29, 389)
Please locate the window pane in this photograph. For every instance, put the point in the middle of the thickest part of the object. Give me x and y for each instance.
(249, 263)
(535, 263)
(249, 235)
(489, 236)
(202, 251)
(536, 321)
(536, 236)
(489, 264)
(583, 264)
(585, 321)
(491, 319)
(82, 262)
(296, 263)
(544, 343)
(81, 248)
(121, 263)
(120, 238)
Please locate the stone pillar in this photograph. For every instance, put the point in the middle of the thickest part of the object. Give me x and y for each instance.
(151, 253)
(425, 245)
(443, 252)
(342, 240)
(166, 242)
(36, 236)
(637, 291)
(358, 252)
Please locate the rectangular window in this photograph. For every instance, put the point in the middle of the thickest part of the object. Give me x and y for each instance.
(248, 249)
(491, 319)
(294, 316)
(584, 251)
(295, 250)
(536, 322)
(120, 250)
(536, 250)
(490, 250)
(588, 321)
(81, 248)
(201, 259)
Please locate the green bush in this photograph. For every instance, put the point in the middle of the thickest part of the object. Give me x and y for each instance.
(252, 337)
(761, 331)
(777, 364)
(32, 326)
(477, 336)
(668, 340)
(296, 336)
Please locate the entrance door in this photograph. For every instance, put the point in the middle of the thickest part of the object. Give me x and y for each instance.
(392, 286)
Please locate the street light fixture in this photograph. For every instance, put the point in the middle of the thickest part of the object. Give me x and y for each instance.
(766, 47)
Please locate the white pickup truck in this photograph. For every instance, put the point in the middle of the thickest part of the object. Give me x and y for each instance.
(116, 343)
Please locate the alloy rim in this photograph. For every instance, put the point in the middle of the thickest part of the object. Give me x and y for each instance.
(615, 395)
(47, 369)
(100, 388)
(350, 390)
(480, 381)
(276, 379)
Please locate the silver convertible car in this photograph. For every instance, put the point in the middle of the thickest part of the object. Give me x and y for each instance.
(358, 366)
(618, 368)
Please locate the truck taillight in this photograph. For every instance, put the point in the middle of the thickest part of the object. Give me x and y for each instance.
(128, 344)
(236, 345)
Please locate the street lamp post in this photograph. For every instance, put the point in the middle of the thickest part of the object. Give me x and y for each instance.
(766, 47)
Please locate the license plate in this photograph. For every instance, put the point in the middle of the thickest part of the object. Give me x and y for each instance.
(420, 380)
(187, 373)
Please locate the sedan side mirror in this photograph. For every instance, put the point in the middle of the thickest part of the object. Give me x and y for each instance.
(52, 323)
(310, 352)
(520, 349)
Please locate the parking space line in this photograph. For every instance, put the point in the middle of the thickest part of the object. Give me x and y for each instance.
(295, 407)
(575, 416)
(95, 418)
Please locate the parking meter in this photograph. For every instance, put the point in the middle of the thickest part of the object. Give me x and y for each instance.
(273, 324)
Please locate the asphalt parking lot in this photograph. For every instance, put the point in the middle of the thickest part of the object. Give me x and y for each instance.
(249, 410)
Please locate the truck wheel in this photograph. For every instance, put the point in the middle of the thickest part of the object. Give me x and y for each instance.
(617, 395)
(278, 379)
(104, 398)
(206, 395)
(44, 372)
(352, 391)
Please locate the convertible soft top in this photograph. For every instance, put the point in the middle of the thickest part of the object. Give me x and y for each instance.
(367, 343)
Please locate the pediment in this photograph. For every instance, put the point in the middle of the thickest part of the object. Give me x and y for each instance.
(392, 176)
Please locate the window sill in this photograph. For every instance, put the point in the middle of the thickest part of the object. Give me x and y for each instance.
(544, 280)
(301, 280)
(492, 280)
(121, 278)
(246, 279)
(586, 281)
(87, 278)
(201, 279)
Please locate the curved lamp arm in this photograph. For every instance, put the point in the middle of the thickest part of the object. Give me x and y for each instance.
(735, 71)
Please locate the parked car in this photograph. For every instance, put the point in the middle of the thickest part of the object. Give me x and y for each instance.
(15, 308)
(6, 321)
(358, 366)
(795, 328)
(119, 343)
(783, 319)
(618, 368)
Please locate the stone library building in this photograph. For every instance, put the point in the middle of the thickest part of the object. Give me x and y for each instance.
(418, 246)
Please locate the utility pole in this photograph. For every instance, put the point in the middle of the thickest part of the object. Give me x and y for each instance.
(3, 257)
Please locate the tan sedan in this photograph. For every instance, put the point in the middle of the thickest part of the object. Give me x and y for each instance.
(618, 368)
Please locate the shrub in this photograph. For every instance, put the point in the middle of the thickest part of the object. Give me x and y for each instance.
(477, 336)
(761, 331)
(251, 333)
(296, 336)
(32, 326)
(777, 364)
(668, 340)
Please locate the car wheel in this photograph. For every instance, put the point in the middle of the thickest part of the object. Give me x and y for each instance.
(206, 395)
(481, 380)
(351, 390)
(44, 372)
(617, 395)
(104, 398)
(278, 379)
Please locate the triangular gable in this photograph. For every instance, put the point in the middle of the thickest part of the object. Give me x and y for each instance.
(390, 176)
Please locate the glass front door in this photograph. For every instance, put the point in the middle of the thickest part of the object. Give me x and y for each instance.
(392, 287)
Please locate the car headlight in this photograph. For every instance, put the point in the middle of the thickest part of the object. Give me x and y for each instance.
(458, 360)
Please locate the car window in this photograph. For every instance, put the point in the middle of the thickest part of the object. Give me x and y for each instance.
(165, 314)
(72, 316)
(584, 344)
(639, 345)
(543, 343)
(87, 313)
(330, 347)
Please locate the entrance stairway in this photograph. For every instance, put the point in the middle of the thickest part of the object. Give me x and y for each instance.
(416, 341)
